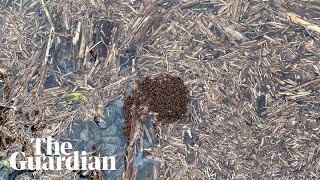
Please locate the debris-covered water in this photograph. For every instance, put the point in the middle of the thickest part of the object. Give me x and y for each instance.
(108, 136)
(253, 68)
(85, 135)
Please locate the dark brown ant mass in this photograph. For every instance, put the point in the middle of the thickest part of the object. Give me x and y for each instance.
(164, 94)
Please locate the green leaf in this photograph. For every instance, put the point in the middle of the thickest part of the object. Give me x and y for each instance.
(76, 96)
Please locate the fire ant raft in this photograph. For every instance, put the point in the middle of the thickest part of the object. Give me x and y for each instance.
(164, 97)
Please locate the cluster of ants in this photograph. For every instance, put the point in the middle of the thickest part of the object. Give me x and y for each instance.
(163, 97)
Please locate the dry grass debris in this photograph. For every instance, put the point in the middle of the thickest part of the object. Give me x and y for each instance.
(253, 72)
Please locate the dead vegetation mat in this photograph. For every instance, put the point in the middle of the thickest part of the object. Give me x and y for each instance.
(252, 68)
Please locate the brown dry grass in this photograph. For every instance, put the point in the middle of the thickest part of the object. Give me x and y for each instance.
(253, 74)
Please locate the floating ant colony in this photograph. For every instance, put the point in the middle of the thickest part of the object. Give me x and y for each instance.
(164, 98)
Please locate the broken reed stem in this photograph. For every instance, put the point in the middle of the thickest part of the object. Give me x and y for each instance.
(47, 14)
(46, 58)
(129, 153)
(4, 142)
(135, 173)
(315, 81)
(297, 20)
(130, 143)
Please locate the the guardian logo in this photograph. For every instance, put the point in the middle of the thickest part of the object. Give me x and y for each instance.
(59, 157)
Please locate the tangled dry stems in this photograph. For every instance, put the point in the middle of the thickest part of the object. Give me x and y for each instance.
(243, 60)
